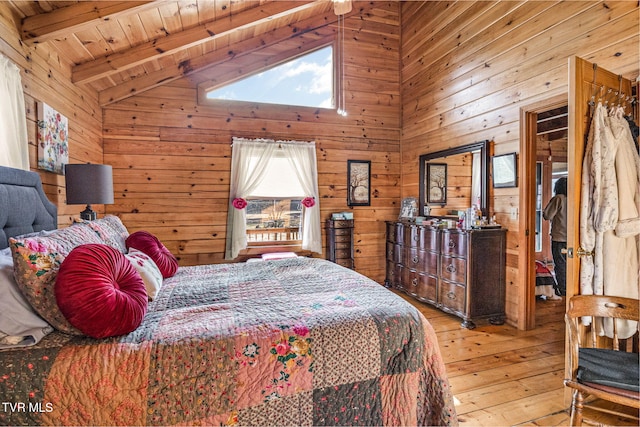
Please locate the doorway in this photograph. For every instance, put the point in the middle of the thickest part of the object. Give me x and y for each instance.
(551, 165)
(543, 159)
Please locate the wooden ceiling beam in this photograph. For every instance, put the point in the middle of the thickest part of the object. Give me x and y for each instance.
(171, 44)
(152, 80)
(59, 23)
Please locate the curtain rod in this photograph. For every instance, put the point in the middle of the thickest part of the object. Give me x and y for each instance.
(270, 141)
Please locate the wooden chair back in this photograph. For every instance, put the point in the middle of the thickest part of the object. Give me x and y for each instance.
(595, 308)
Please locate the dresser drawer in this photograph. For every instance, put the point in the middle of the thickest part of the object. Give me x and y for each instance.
(421, 260)
(417, 236)
(420, 285)
(412, 282)
(429, 239)
(453, 269)
(390, 252)
(452, 296)
(342, 253)
(343, 245)
(393, 274)
(398, 233)
(454, 243)
(412, 236)
(427, 288)
(391, 231)
(342, 223)
(395, 252)
(345, 262)
(342, 233)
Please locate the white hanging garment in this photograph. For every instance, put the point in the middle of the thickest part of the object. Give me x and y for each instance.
(609, 213)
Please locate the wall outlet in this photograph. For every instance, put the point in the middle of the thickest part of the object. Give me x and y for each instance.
(514, 213)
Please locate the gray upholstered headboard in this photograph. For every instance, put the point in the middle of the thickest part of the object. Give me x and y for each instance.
(24, 208)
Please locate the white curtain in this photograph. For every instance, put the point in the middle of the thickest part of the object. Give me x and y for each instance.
(303, 160)
(476, 180)
(14, 144)
(249, 161)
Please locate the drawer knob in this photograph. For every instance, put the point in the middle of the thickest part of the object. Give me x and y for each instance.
(415, 259)
(451, 295)
(414, 282)
(452, 243)
(416, 238)
(451, 268)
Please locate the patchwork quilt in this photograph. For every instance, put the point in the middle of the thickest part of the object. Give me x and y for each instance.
(296, 341)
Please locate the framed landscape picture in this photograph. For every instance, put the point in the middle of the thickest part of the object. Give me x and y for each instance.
(504, 170)
(436, 183)
(358, 183)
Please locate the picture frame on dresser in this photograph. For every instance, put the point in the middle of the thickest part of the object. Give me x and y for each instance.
(408, 208)
(358, 183)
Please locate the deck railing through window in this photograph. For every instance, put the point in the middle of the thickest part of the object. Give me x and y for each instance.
(283, 234)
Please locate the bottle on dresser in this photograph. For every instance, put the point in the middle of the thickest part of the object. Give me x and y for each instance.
(472, 217)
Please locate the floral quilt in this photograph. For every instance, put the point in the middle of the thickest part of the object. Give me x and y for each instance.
(296, 341)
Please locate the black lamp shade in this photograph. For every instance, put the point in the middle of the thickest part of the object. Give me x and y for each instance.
(89, 184)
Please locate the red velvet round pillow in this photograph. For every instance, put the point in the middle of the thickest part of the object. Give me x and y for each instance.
(100, 292)
(150, 245)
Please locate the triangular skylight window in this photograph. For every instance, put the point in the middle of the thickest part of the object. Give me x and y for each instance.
(306, 80)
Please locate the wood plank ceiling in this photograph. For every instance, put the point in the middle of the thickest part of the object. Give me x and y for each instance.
(121, 48)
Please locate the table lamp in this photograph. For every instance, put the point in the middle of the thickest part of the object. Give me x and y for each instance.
(89, 184)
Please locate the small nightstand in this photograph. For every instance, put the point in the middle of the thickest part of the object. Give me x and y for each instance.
(340, 242)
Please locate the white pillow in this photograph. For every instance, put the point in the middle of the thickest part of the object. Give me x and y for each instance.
(149, 271)
(20, 325)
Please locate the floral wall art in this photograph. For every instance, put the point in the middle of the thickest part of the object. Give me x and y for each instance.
(53, 139)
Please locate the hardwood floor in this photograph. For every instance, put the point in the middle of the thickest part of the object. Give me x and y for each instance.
(501, 376)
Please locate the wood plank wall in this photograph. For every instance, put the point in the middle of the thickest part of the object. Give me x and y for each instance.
(469, 67)
(46, 78)
(171, 154)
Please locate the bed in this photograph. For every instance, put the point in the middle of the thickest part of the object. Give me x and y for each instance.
(296, 341)
(545, 281)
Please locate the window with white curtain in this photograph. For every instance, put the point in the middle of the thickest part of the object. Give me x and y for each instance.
(273, 198)
(14, 149)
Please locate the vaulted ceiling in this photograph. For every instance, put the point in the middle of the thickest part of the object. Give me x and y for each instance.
(121, 48)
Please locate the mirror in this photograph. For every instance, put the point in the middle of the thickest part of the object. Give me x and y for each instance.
(455, 179)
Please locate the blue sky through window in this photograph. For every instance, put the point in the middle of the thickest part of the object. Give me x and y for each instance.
(306, 81)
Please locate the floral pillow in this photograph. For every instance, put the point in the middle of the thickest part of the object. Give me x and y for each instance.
(111, 230)
(148, 270)
(36, 263)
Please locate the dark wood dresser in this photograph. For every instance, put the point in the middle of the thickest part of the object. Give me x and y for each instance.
(340, 242)
(461, 272)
